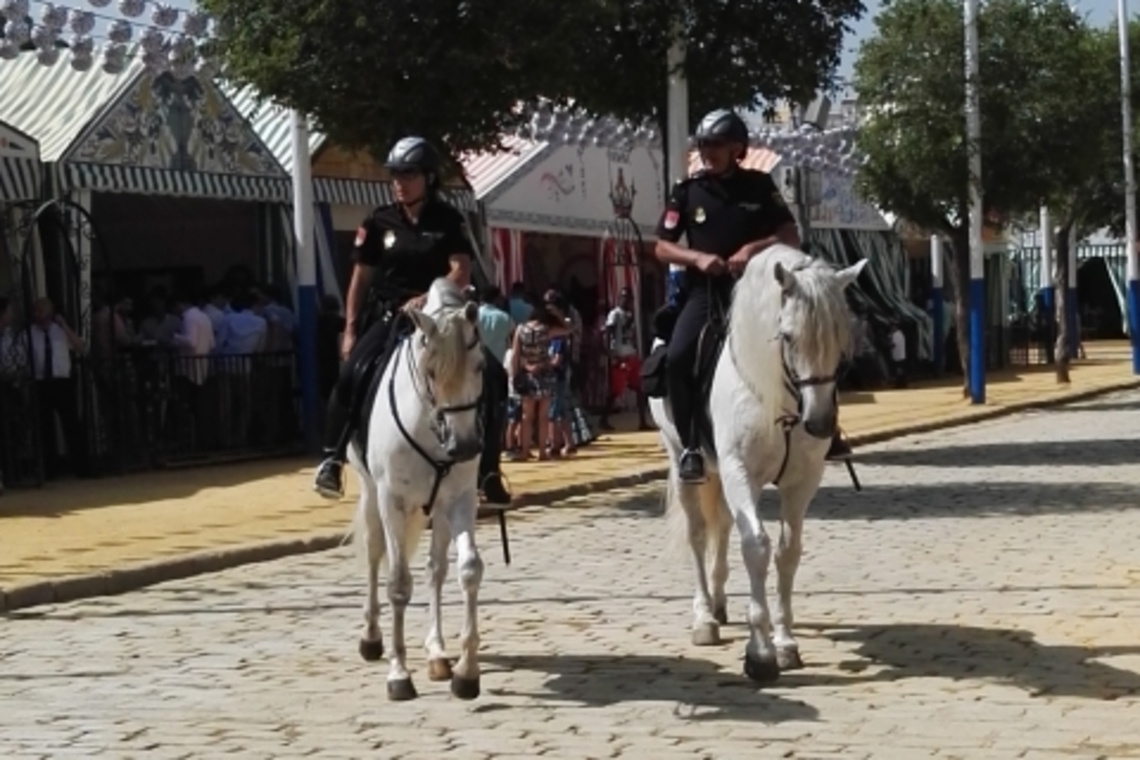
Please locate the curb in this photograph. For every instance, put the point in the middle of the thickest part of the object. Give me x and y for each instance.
(137, 576)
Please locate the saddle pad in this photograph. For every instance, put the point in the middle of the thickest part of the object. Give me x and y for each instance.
(373, 375)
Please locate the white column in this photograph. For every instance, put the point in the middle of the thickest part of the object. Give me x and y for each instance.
(306, 262)
(677, 134)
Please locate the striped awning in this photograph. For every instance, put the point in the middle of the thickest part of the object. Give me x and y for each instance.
(115, 178)
(20, 168)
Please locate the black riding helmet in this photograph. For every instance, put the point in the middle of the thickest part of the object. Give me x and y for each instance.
(722, 125)
(413, 154)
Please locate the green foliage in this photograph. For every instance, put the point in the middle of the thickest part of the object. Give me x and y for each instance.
(454, 70)
(1037, 60)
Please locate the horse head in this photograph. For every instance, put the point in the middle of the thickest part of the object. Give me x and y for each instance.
(448, 368)
(814, 334)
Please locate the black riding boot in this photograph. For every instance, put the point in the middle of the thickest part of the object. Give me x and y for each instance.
(692, 465)
(494, 423)
(329, 481)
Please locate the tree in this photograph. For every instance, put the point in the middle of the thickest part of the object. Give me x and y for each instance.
(1035, 64)
(455, 70)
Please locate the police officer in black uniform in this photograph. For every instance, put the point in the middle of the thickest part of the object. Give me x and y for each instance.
(729, 214)
(400, 250)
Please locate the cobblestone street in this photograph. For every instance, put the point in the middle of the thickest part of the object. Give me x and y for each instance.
(979, 599)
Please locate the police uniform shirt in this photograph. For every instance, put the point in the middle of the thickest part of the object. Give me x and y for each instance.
(408, 257)
(721, 214)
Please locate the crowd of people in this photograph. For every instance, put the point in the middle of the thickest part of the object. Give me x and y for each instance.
(539, 343)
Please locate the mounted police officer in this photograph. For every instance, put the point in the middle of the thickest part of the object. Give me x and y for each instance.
(729, 214)
(400, 250)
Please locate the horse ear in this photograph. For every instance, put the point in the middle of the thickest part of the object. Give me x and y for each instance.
(851, 273)
(423, 323)
(471, 311)
(785, 277)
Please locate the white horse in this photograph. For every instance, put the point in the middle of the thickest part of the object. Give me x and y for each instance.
(773, 409)
(421, 461)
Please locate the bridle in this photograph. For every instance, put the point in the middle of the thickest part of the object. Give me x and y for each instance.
(793, 385)
(439, 413)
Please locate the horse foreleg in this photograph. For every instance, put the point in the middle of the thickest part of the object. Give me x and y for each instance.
(439, 669)
(743, 500)
(371, 531)
(465, 681)
(692, 500)
(400, 686)
(794, 502)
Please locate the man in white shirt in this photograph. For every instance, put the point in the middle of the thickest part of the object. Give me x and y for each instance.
(625, 362)
(52, 344)
(217, 307)
(195, 341)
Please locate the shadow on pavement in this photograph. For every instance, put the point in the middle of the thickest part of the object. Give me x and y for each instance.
(1006, 656)
(979, 499)
(700, 689)
(1097, 452)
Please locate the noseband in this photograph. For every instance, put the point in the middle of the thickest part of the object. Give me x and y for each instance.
(439, 413)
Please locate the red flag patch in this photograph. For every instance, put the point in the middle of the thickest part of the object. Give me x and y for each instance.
(671, 219)
(361, 234)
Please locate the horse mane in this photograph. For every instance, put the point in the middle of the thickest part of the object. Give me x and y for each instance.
(818, 309)
(445, 305)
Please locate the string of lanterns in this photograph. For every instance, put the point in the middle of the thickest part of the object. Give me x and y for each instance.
(158, 44)
(831, 150)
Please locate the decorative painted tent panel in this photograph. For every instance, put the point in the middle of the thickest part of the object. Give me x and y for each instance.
(174, 137)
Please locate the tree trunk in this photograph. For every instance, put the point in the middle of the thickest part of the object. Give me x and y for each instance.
(1061, 299)
(960, 284)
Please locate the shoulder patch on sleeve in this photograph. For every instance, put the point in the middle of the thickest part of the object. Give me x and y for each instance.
(361, 235)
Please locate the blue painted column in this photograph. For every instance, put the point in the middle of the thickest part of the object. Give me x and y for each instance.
(306, 279)
(977, 251)
(1122, 23)
(937, 308)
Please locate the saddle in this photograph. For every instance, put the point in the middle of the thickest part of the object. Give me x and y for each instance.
(371, 374)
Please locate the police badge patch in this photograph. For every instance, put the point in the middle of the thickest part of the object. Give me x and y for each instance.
(699, 215)
(389, 239)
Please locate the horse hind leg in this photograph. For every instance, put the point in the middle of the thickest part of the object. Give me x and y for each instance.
(719, 532)
(370, 531)
(439, 668)
(700, 518)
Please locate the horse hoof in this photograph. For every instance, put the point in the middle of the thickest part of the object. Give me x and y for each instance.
(721, 614)
(401, 690)
(439, 670)
(371, 650)
(789, 659)
(465, 688)
(706, 635)
(761, 671)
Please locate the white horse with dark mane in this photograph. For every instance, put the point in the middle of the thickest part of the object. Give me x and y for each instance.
(773, 409)
(420, 463)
